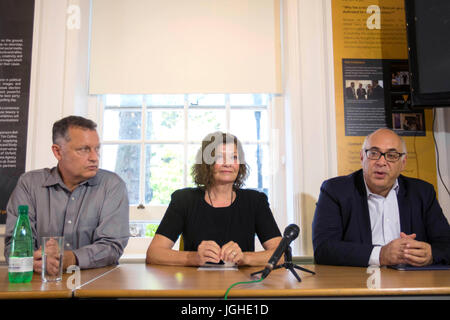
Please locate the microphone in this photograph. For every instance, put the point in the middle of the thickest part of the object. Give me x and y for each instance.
(290, 233)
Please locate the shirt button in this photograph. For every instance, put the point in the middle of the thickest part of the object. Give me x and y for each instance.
(73, 198)
(69, 222)
(67, 244)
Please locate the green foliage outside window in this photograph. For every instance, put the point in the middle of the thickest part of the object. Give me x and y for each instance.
(150, 229)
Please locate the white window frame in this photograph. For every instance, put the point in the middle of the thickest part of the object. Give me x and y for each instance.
(154, 213)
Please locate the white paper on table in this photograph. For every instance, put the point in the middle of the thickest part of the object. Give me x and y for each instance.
(227, 266)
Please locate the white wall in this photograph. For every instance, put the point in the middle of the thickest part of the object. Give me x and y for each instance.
(309, 105)
(59, 74)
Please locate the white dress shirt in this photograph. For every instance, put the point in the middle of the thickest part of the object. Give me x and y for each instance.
(384, 220)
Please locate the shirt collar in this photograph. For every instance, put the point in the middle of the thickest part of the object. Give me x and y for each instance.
(371, 194)
(55, 178)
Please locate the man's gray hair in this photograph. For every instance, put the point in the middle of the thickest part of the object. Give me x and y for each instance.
(61, 127)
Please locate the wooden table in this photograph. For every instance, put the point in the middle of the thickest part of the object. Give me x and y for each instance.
(37, 289)
(144, 281)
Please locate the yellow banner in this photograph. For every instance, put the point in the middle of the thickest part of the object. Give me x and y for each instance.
(370, 52)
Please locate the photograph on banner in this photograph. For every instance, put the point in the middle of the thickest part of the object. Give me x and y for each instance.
(404, 120)
(364, 104)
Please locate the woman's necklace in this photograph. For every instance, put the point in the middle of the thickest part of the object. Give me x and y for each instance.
(210, 200)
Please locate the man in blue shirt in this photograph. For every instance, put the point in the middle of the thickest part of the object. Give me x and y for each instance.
(376, 216)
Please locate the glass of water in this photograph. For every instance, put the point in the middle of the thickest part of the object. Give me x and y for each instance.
(52, 258)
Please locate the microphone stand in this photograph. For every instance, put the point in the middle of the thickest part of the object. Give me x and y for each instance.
(288, 265)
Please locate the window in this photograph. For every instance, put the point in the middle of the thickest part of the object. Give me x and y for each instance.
(151, 142)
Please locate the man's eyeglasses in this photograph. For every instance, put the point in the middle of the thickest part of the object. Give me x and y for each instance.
(391, 156)
(85, 151)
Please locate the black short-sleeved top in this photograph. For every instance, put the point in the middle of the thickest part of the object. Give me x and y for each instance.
(190, 215)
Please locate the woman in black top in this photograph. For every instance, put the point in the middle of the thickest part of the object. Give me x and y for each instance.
(218, 219)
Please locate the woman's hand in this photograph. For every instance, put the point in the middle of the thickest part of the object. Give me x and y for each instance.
(208, 251)
(231, 252)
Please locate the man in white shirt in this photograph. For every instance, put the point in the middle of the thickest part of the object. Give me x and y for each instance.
(376, 216)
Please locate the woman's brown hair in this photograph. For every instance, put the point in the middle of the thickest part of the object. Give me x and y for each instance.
(203, 169)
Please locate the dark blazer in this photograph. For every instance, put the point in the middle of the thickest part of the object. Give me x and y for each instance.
(341, 228)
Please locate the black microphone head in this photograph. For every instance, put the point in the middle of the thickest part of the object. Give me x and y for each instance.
(291, 232)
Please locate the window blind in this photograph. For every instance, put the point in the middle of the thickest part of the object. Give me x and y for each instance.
(185, 46)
